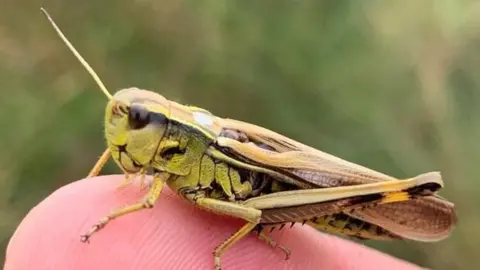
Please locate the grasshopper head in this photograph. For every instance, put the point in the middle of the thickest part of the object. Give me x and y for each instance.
(135, 122)
(135, 119)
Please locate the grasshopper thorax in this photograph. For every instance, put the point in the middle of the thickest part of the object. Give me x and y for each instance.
(135, 123)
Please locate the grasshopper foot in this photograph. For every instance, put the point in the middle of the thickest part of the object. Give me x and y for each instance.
(85, 238)
(274, 244)
(217, 263)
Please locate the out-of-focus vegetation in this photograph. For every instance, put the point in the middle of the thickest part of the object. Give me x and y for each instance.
(393, 85)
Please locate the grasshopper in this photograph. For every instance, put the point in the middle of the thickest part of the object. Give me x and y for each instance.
(241, 170)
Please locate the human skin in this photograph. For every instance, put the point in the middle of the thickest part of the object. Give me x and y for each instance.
(172, 235)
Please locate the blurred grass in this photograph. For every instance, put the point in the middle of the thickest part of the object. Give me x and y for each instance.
(391, 85)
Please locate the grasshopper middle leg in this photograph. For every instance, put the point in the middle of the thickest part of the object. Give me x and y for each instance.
(249, 214)
(267, 239)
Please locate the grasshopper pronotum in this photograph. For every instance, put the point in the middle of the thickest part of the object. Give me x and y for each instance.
(242, 170)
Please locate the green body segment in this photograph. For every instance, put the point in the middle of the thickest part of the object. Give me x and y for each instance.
(215, 178)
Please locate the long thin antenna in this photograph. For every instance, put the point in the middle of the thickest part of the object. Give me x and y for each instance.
(77, 54)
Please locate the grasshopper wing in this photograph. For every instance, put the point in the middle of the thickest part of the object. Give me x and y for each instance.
(429, 218)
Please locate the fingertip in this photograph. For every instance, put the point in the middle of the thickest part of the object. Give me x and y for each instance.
(172, 235)
(49, 235)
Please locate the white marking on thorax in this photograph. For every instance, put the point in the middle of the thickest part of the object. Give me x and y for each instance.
(203, 119)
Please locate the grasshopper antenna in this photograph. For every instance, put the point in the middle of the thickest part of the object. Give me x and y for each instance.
(77, 54)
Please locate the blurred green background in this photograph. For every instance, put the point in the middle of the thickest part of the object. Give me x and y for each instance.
(392, 85)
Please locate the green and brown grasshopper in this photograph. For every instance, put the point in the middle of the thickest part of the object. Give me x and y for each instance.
(245, 171)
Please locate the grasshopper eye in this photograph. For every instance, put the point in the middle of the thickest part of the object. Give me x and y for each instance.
(138, 117)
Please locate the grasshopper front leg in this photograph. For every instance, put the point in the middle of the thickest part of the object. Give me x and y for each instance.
(95, 171)
(146, 202)
(100, 163)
